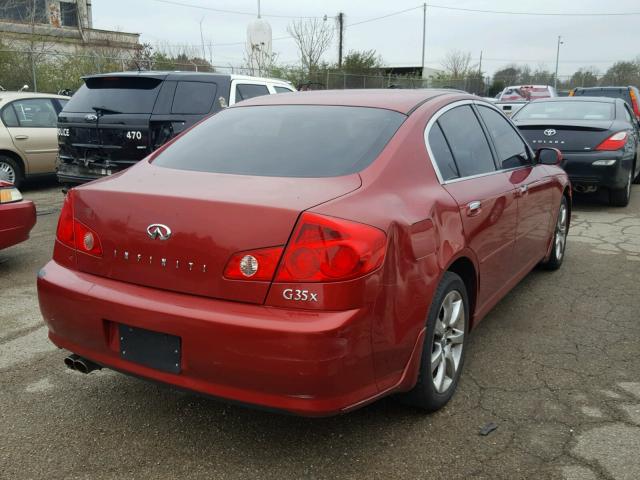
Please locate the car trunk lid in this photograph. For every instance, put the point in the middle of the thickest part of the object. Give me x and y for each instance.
(568, 135)
(211, 216)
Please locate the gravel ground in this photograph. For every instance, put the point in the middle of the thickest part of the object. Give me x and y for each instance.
(555, 366)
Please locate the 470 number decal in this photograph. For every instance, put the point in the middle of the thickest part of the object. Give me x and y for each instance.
(134, 135)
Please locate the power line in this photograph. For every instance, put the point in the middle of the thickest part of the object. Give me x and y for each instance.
(543, 14)
(234, 12)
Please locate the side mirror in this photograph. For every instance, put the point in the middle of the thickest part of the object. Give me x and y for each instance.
(548, 156)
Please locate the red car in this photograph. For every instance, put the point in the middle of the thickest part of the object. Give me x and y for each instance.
(17, 216)
(308, 252)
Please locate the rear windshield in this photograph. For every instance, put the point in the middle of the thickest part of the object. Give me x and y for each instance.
(566, 111)
(115, 95)
(622, 93)
(285, 141)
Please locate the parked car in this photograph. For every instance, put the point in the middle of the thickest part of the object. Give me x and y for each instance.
(28, 141)
(116, 119)
(598, 138)
(513, 98)
(628, 94)
(17, 216)
(309, 252)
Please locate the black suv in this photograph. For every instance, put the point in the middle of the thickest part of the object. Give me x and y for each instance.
(630, 94)
(117, 119)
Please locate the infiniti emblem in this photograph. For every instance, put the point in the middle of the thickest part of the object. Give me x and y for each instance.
(158, 230)
(550, 132)
(91, 117)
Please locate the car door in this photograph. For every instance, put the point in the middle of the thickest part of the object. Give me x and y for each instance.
(532, 184)
(243, 90)
(31, 122)
(485, 196)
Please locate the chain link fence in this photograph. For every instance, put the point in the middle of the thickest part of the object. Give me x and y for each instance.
(48, 71)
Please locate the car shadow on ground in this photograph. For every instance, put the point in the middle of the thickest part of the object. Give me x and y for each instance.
(40, 182)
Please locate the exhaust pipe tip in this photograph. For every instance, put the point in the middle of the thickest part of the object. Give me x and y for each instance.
(84, 365)
(70, 361)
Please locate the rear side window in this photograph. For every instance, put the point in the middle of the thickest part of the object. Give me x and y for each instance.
(194, 98)
(9, 117)
(115, 95)
(246, 91)
(512, 151)
(468, 143)
(442, 154)
(284, 141)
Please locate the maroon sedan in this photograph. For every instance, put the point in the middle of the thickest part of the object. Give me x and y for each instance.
(308, 252)
(17, 216)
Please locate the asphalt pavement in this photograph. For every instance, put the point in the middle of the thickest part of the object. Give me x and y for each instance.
(556, 366)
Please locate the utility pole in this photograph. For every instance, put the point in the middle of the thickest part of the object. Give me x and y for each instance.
(204, 53)
(424, 33)
(555, 78)
(480, 64)
(340, 37)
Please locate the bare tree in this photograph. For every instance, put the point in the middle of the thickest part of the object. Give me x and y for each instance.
(457, 64)
(259, 61)
(313, 37)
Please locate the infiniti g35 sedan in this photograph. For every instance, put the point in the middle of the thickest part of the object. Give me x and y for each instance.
(309, 252)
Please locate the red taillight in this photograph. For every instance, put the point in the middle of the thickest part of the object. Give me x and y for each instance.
(65, 222)
(253, 264)
(75, 234)
(86, 240)
(328, 249)
(617, 141)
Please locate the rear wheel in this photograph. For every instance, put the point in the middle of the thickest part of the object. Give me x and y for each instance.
(620, 197)
(559, 237)
(10, 171)
(444, 346)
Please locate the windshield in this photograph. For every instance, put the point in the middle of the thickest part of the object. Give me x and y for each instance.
(115, 95)
(285, 141)
(568, 110)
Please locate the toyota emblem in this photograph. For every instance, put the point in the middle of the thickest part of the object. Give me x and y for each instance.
(550, 132)
(158, 231)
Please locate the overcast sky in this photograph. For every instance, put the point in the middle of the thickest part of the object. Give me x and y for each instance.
(588, 41)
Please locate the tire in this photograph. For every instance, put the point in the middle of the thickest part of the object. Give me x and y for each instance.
(620, 197)
(559, 244)
(437, 381)
(11, 171)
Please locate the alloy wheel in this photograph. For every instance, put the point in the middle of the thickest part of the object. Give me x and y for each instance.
(561, 231)
(7, 173)
(448, 341)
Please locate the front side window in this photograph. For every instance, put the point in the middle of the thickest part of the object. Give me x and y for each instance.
(244, 91)
(284, 141)
(282, 89)
(35, 113)
(467, 141)
(512, 151)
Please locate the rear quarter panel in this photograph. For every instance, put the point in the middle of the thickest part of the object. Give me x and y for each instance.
(402, 196)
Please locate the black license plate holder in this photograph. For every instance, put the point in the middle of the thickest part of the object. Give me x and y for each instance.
(156, 350)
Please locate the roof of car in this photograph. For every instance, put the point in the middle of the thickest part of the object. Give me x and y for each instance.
(579, 99)
(9, 96)
(400, 100)
(162, 74)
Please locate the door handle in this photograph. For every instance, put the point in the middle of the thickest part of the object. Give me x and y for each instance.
(21, 137)
(522, 190)
(473, 208)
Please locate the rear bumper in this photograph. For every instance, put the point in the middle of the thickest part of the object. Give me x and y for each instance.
(72, 173)
(16, 221)
(307, 363)
(581, 171)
